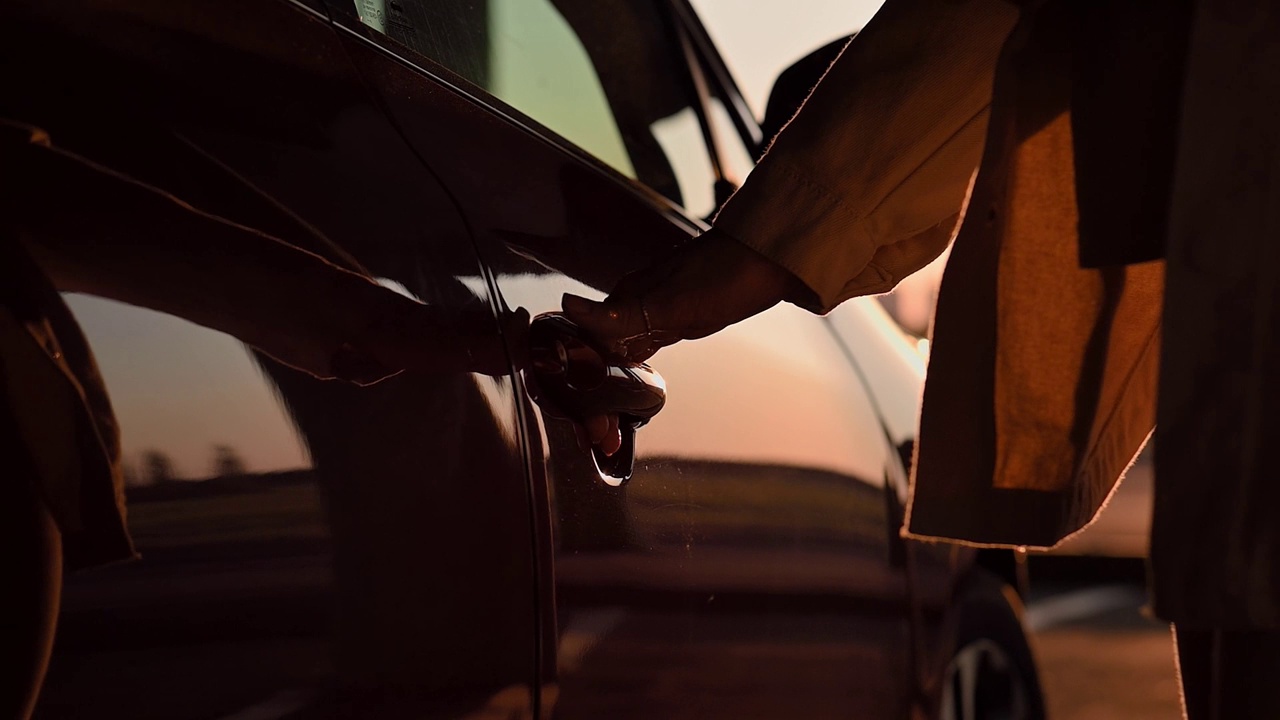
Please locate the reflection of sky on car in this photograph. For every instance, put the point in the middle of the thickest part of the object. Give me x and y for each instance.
(180, 388)
(777, 402)
(889, 359)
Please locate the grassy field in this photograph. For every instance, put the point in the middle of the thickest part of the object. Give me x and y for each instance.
(254, 508)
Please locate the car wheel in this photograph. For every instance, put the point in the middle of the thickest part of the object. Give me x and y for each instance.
(991, 674)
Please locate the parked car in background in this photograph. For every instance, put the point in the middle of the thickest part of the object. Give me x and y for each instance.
(445, 546)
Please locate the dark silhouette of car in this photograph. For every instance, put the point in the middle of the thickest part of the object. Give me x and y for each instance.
(445, 546)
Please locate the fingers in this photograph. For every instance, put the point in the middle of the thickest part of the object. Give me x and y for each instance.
(710, 283)
(617, 325)
(597, 427)
(614, 318)
(613, 439)
(707, 285)
(602, 432)
(581, 310)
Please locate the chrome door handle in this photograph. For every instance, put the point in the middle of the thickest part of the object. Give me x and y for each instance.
(569, 378)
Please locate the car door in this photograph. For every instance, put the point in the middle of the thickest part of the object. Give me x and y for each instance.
(744, 570)
(309, 549)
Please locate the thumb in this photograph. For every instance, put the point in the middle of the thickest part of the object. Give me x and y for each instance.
(607, 320)
(579, 308)
(616, 325)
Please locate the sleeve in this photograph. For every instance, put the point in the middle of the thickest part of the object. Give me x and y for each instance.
(865, 185)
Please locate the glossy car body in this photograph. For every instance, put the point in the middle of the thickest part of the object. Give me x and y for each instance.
(437, 546)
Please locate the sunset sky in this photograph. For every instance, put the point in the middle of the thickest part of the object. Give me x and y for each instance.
(761, 38)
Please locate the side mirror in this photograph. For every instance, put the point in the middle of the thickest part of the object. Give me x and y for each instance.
(792, 88)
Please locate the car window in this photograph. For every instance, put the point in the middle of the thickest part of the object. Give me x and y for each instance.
(607, 75)
(735, 156)
(758, 45)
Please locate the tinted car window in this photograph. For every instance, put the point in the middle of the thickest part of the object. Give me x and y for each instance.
(607, 75)
(758, 45)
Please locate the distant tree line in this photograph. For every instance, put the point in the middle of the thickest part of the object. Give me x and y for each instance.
(157, 467)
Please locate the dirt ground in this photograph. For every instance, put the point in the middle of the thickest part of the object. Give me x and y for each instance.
(1113, 668)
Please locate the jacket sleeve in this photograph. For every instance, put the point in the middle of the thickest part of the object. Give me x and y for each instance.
(865, 185)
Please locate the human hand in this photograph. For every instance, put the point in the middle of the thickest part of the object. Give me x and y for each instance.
(601, 431)
(707, 285)
(406, 335)
(422, 338)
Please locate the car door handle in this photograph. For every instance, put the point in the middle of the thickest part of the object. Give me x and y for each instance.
(569, 378)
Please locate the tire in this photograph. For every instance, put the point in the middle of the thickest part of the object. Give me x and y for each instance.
(991, 673)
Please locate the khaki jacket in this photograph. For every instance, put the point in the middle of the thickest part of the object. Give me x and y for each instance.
(1046, 349)
(874, 174)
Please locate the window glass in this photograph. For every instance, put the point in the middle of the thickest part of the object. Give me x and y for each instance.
(734, 155)
(607, 75)
(540, 67)
(758, 45)
(681, 139)
(523, 52)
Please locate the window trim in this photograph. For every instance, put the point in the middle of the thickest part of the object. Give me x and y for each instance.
(748, 125)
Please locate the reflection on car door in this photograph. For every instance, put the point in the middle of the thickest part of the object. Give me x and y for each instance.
(744, 570)
(310, 549)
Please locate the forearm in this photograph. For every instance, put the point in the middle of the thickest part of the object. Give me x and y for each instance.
(98, 232)
(865, 183)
